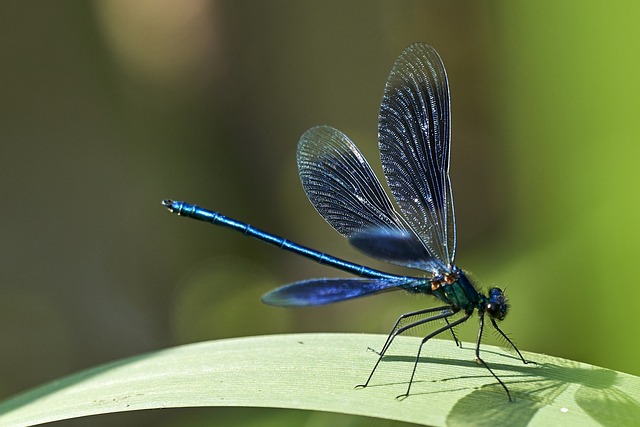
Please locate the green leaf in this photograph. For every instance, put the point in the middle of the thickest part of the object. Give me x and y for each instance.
(319, 372)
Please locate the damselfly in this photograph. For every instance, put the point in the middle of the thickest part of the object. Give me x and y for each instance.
(414, 132)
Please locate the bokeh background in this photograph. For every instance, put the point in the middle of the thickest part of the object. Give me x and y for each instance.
(110, 106)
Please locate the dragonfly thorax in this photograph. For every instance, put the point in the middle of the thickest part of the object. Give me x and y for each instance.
(456, 288)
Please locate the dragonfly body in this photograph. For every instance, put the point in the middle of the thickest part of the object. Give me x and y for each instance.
(454, 288)
(201, 214)
(414, 141)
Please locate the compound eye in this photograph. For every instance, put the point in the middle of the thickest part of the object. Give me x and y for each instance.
(496, 311)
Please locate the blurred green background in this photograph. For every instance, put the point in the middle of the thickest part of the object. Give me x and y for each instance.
(108, 107)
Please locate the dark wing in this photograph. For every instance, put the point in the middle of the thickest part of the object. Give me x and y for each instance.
(344, 190)
(414, 138)
(326, 291)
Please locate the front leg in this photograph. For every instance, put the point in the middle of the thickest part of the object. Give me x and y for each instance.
(495, 325)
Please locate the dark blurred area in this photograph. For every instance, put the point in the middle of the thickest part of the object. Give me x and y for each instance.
(109, 107)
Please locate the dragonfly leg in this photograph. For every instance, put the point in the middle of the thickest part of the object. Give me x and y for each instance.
(427, 338)
(401, 322)
(495, 325)
(399, 327)
(482, 362)
(453, 334)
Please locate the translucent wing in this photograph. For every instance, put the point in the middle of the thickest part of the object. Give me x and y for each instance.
(344, 190)
(414, 138)
(326, 291)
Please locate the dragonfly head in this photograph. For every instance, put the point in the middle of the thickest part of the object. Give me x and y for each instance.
(497, 305)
